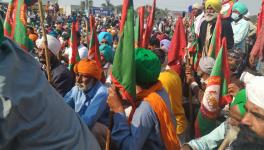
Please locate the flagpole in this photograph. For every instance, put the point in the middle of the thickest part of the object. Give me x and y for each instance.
(45, 41)
(108, 135)
(190, 95)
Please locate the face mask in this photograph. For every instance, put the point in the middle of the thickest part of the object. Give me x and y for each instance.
(235, 16)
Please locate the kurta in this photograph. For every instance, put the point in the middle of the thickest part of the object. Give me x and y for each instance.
(144, 130)
(91, 106)
(241, 30)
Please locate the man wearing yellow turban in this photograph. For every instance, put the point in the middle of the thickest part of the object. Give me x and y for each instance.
(212, 10)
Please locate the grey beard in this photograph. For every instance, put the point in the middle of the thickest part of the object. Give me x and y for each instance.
(82, 87)
(209, 17)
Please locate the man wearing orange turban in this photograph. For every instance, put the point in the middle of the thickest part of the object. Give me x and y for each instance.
(88, 96)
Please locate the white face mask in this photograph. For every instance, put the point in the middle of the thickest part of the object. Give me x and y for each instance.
(235, 16)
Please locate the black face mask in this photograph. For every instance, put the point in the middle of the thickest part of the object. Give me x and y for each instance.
(247, 140)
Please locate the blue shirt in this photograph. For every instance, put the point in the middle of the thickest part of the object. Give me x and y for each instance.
(91, 106)
(144, 130)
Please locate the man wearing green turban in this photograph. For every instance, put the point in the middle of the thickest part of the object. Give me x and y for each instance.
(148, 67)
(153, 125)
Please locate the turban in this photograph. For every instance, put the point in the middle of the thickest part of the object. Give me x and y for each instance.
(240, 101)
(107, 36)
(246, 77)
(33, 37)
(147, 66)
(53, 44)
(240, 7)
(164, 44)
(107, 52)
(197, 6)
(206, 64)
(255, 91)
(215, 4)
(88, 67)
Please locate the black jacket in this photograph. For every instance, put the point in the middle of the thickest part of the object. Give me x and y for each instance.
(62, 78)
(227, 32)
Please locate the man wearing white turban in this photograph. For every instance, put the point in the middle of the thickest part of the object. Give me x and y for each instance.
(62, 79)
(251, 135)
(254, 117)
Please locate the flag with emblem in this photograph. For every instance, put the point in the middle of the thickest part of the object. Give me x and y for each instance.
(215, 94)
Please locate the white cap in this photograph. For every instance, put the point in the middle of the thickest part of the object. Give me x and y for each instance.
(53, 44)
(255, 91)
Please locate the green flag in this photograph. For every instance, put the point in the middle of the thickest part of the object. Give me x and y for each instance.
(137, 34)
(214, 95)
(123, 70)
(15, 25)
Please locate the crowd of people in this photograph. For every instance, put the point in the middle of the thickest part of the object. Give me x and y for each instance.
(71, 111)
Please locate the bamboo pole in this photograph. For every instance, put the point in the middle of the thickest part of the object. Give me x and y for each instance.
(108, 135)
(45, 41)
(190, 96)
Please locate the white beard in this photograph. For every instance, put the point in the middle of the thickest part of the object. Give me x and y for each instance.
(209, 17)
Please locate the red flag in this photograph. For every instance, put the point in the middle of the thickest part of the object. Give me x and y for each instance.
(124, 15)
(150, 24)
(94, 52)
(260, 18)
(141, 12)
(177, 47)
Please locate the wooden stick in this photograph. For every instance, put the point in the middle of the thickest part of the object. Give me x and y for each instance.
(108, 136)
(190, 96)
(45, 41)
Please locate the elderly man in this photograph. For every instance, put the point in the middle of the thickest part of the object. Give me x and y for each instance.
(33, 115)
(222, 136)
(62, 79)
(212, 9)
(88, 97)
(251, 135)
(151, 126)
(197, 11)
(240, 26)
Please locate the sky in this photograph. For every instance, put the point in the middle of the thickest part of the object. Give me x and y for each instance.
(180, 5)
